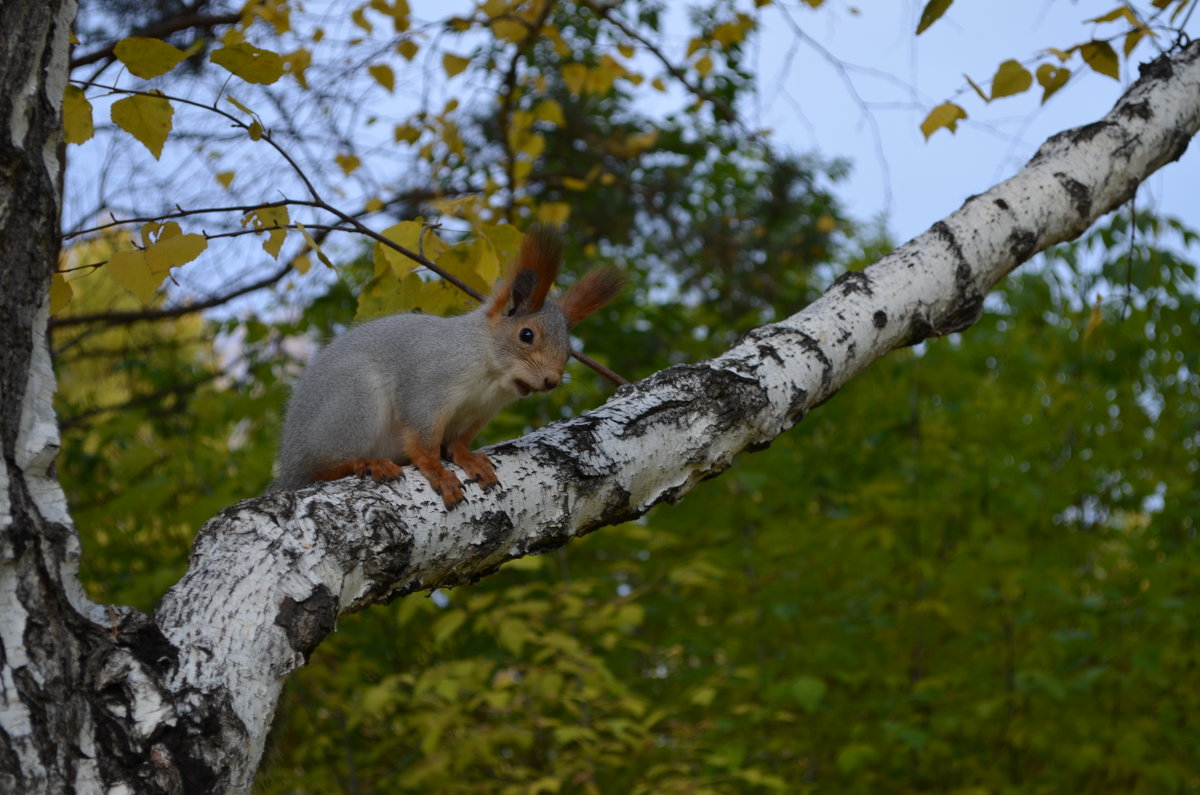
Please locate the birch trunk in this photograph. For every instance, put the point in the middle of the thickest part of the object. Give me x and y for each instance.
(105, 698)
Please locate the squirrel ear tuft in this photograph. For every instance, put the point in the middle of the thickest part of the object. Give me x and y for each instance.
(525, 288)
(594, 290)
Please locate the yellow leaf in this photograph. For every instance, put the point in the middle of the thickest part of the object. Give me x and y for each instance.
(1011, 78)
(694, 46)
(453, 64)
(313, 245)
(1134, 37)
(549, 110)
(509, 30)
(406, 133)
(147, 118)
(226, 178)
(255, 131)
(238, 105)
(348, 163)
(173, 250)
(554, 213)
(249, 62)
(1102, 58)
(296, 63)
(704, 65)
(1115, 14)
(302, 263)
(77, 116)
(374, 204)
(408, 48)
(131, 270)
(932, 13)
(273, 221)
(574, 183)
(148, 58)
(359, 17)
(1062, 55)
(1051, 79)
(975, 86)
(945, 115)
(658, 84)
(413, 236)
(625, 50)
(61, 293)
(383, 75)
(573, 75)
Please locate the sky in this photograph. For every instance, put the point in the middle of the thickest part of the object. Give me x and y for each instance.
(898, 77)
(838, 81)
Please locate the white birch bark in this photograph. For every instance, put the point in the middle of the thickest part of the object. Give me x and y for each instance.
(187, 698)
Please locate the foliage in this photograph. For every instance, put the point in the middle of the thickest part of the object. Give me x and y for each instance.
(970, 572)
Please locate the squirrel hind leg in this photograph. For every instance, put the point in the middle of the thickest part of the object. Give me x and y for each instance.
(429, 461)
(378, 469)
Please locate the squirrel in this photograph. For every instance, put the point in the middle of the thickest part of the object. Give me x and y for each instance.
(410, 388)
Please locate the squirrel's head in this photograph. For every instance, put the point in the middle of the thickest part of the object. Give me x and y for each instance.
(531, 330)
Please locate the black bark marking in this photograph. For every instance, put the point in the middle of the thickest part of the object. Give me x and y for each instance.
(307, 623)
(853, 282)
(1003, 205)
(879, 319)
(1021, 245)
(919, 329)
(804, 341)
(1136, 110)
(1081, 135)
(1079, 194)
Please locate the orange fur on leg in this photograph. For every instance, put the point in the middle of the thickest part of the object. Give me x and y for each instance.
(429, 461)
(377, 468)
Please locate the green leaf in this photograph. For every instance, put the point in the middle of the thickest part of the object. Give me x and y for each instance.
(932, 13)
(447, 625)
(945, 115)
(77, 116)
(147, 57)
(1102, 58)
(1011, 78)
(250, 63)
(1051, 78)
(147, 118)
(808, 692)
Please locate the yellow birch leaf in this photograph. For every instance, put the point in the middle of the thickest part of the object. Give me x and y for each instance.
(658, 84)
(384, 76)
(1102, 58)
(574, 183)
(625, 50)
(173, 250)
(549, 110)
(313, 245)
(61, 293)
(1115, 14)
(295, 63)
(1011, 78)
(932, 13)
(146, 57)
(77, 116)
(302, 263)
(945, 115)
(226, 178)
(1051, 78)
(374, 204)
(408, 48)
(509, 30)
(1133, 38)
(573, 75)
(406, 133)
(704, 65)
(694, 46)
(453, 64)
(554, 213)
(255, 131)
(229, 98)
(359, 17)
(978, 90)
(250, 63)
(272, 220)
(348, 163)
(1062, 55)
(131, 270)
(147, 118)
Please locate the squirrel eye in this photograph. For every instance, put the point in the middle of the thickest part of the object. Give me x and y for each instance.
(526, 336)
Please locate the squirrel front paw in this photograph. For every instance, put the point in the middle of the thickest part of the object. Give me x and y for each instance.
(378, 469)
(477, 466)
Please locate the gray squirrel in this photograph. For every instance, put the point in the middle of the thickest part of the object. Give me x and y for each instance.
(409, 388)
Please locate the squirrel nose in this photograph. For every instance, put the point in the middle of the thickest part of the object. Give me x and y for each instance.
(550, 383)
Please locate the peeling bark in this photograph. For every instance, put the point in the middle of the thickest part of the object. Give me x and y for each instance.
(107, 699)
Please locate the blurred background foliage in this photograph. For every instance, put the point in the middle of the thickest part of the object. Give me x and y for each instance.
(972, 571)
